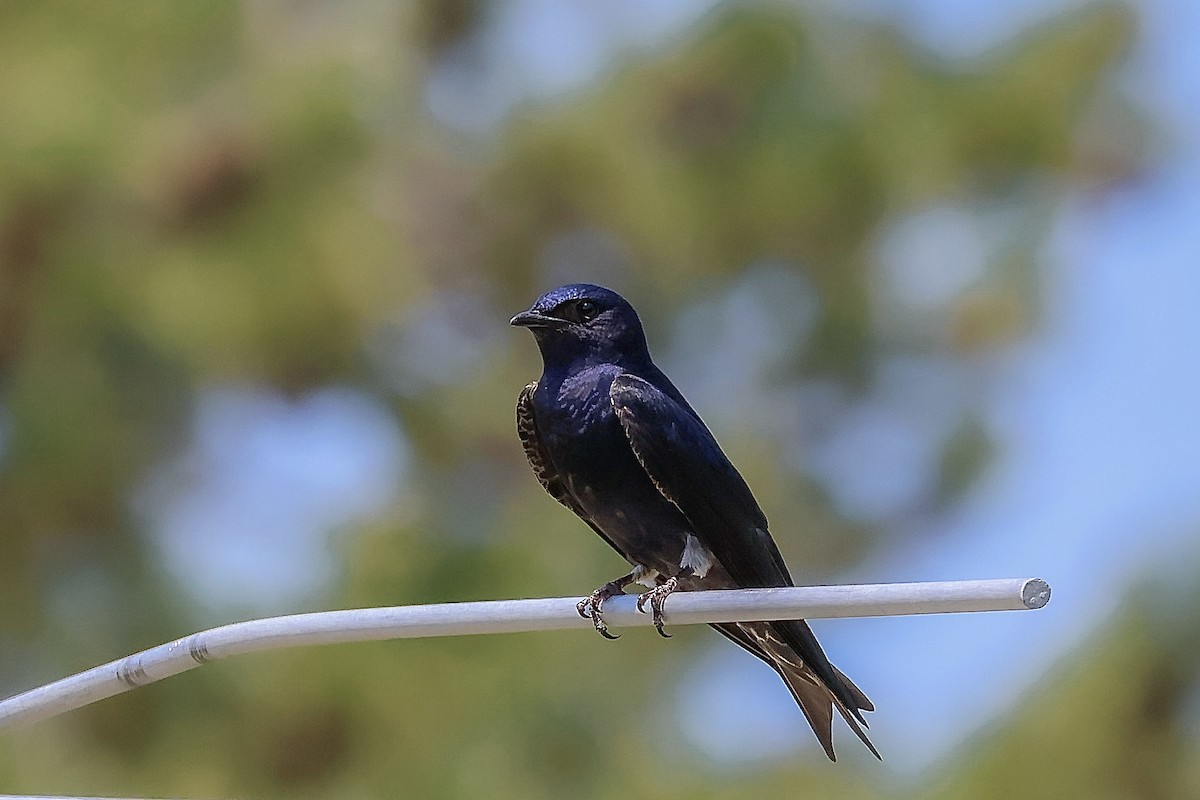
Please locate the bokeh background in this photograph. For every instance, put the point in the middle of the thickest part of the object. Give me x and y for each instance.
(929, 270)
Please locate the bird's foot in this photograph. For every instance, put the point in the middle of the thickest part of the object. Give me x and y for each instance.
(655, 597)
(590, 606)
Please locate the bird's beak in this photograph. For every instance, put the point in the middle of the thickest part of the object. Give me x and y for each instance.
(534, 319)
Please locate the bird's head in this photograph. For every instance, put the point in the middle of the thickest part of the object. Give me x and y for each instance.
(584, 324)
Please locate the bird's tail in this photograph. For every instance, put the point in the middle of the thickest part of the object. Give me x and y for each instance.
(816, 699)
(817, 702)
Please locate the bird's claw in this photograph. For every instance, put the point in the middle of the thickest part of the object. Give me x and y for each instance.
(590, 606)
(656, 597)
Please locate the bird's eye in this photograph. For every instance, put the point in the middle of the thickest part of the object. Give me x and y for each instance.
(579, 311)
(587, 310)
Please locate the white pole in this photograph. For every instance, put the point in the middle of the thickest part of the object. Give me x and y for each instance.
(512, 616)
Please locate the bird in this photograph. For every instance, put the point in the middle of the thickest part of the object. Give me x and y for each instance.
(610, 437)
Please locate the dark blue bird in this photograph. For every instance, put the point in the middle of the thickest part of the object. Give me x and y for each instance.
(611, 438)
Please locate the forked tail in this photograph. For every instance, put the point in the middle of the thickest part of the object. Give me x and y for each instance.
(816, 699)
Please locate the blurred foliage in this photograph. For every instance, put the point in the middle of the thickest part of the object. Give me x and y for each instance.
(1111, 724)
(225, 192)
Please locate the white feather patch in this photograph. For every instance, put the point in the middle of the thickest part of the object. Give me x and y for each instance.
(645, 576)
(696, 557)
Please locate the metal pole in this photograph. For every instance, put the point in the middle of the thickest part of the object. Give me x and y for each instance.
(512, 616)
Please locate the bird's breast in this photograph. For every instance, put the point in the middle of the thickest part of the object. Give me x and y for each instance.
(583, 436)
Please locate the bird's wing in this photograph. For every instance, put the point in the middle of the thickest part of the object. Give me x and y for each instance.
(684, 461)
(543, 467)
(688, 467)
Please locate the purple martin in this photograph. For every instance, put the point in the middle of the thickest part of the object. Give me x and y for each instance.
(610, 437)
